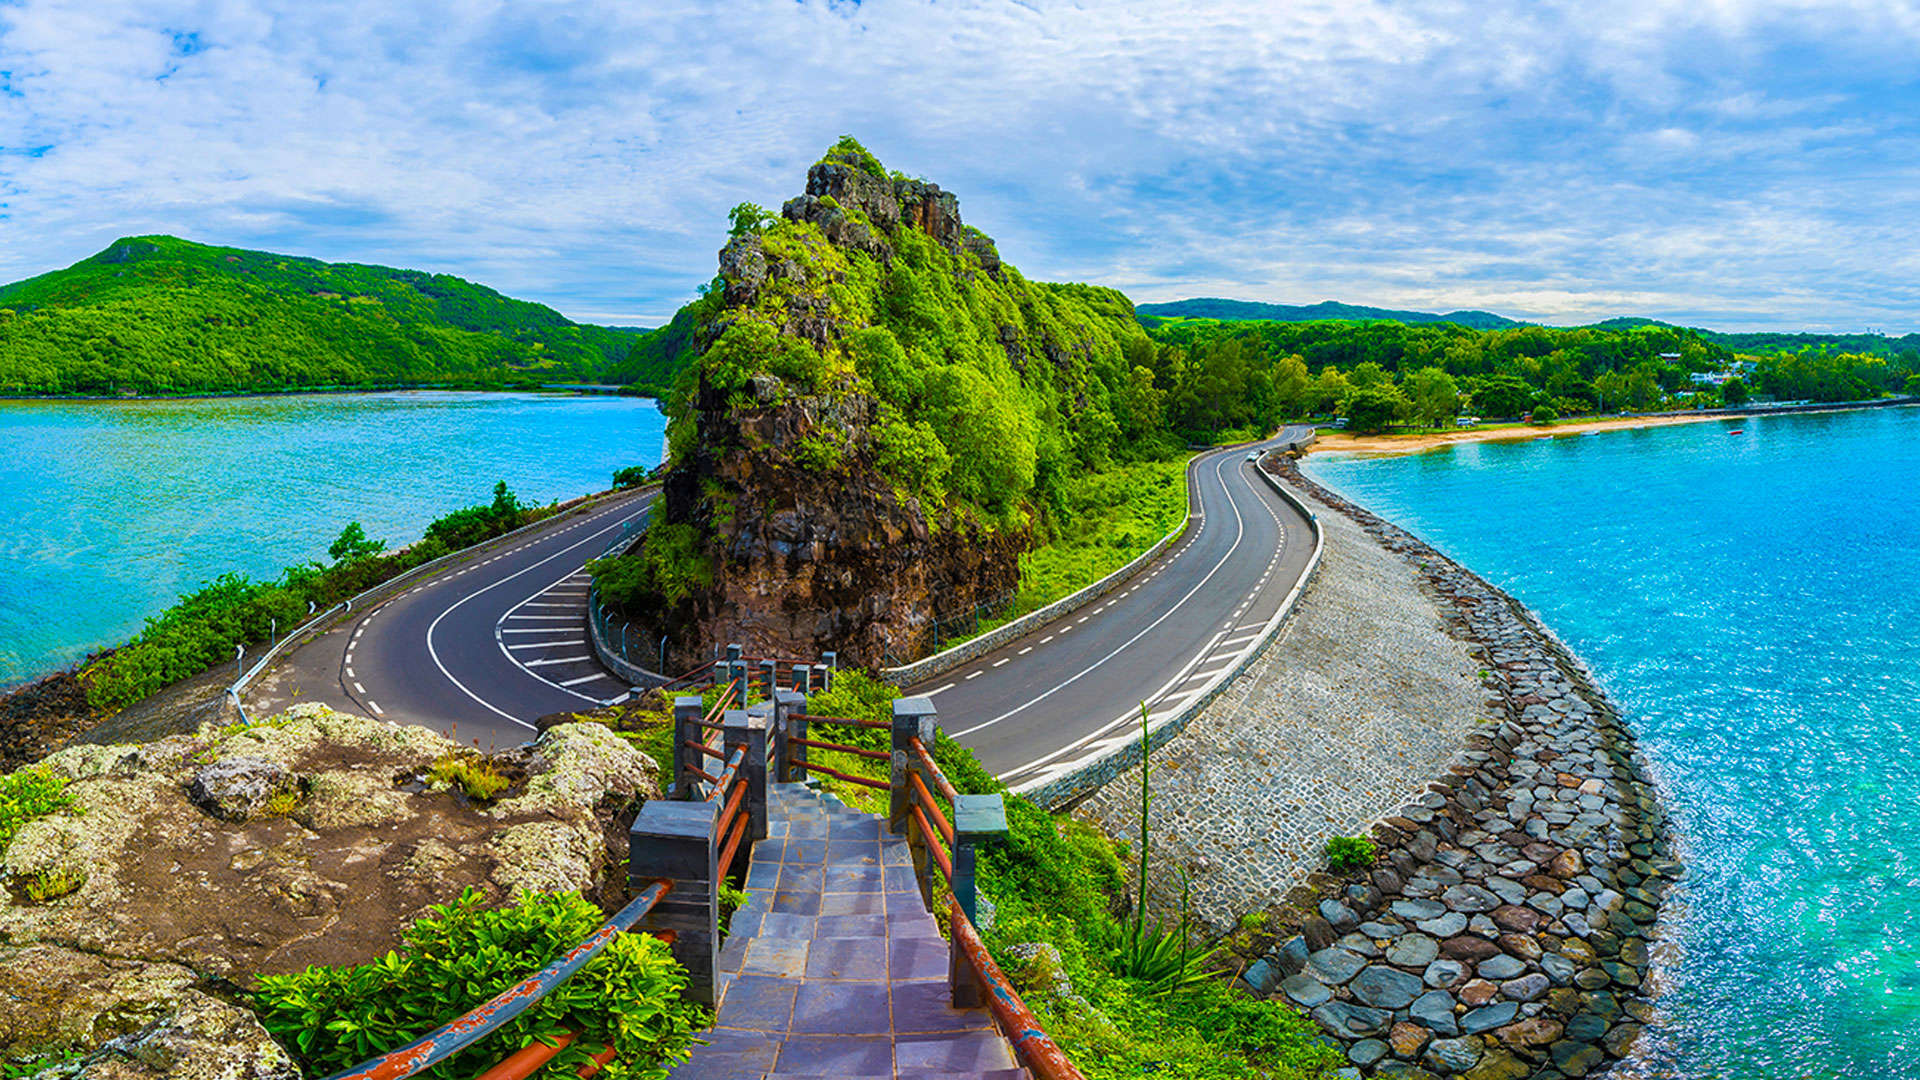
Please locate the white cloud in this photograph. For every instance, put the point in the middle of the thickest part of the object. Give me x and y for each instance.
(1698, 161)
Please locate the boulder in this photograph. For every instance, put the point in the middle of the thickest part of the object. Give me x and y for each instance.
(235, 789)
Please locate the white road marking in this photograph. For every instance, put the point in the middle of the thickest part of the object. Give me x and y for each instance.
(1024, 651)
(1046, 639)
(1002, 660)
(587, 678)
(1239, 536)
(548, 644)
(531, 629)
(547, 618)
(349, 673)
(939, 690)
(556, 660)
(358, 689)
(976, 674)
(375, 706)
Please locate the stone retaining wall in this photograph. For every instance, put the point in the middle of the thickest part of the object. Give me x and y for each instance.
(1504, 930)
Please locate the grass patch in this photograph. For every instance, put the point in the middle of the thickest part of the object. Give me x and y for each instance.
(53, 884)
(28, 794)
(469, 772)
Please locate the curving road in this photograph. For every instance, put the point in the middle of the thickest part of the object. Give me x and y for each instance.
(483, 649)
(488, 647)
(1068, 691)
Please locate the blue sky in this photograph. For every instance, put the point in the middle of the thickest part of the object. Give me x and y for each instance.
(1735, 165)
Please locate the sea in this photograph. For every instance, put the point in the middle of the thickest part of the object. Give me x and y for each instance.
(113, 509)
(1748, 591)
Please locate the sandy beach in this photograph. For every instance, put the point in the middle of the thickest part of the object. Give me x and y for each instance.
(1390, 445)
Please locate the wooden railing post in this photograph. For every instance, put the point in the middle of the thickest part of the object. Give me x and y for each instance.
(686, 729)
(676, 841)
(787, 706)
(913, 718)
(743, 729)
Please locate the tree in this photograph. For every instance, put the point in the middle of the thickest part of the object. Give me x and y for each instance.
(1544, 414)
(1367, 375)
(1374, 409)
(1290, 385)
(747, 218)
(1734, 393)
(353, 545)
(1328, 391)
(1435, 397)
(1503, 395)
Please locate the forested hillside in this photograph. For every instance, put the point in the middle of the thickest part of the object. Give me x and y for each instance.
(1215, 308)
(160, 315)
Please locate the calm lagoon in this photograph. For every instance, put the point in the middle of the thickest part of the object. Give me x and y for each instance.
(1751, 602)
(116, 508)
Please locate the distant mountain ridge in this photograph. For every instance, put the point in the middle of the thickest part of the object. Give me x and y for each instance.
(162, 315)
(1218, 308)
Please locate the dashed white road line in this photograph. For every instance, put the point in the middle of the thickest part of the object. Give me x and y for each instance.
(939, 689)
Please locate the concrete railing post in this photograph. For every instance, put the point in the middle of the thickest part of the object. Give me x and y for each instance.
(743, 729)
(801, 682)
(913, 718)
(977, 820)
(829, 663)
(675, 841)
(686, 729)
(768, 681)
(788, 706)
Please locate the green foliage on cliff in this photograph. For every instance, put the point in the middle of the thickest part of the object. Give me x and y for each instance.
(202, 629)
(459, 956)
(161, 315)
(990, 388)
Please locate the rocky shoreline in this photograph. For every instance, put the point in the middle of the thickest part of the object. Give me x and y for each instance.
(1505, 929)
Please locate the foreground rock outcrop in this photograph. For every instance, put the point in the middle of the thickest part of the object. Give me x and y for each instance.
(196, 862)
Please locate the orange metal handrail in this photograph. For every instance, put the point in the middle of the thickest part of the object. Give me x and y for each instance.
(939, 778)
(939, 853)
(923, 797)
(1034, 1047)
(849, 777)
(857, 751)
(732, 845)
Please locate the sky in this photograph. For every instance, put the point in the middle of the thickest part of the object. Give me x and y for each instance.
(1714, 163)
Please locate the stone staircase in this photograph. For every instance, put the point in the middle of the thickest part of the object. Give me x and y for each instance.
(835, 967)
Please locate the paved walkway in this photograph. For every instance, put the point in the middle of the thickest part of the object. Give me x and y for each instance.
(834, 967)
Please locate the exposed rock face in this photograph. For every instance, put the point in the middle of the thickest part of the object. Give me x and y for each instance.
(189, 878)
(811, 559)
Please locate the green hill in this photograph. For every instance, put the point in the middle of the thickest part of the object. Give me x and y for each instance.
(1238, 310)
(161, 315)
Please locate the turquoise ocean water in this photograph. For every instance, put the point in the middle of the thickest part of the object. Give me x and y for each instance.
(115, 508)
(1752, 602)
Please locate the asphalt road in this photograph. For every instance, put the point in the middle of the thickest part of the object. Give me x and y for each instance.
(1045, 701)
(482, 649)
(485, 648)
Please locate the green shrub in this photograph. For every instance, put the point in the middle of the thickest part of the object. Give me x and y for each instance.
(632, 476)
(28, 794)
(53, 884)
(1346, 853)
(628, 997)
(1543, 414)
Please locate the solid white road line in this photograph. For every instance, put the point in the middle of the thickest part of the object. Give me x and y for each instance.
(557, 660)
(588, 678)
(549, 644)
(1239, 535)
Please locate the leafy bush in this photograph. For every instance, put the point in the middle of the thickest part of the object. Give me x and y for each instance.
(53, 884)
(632, 476)
(1544, 414)
(670, 566)
(628, 997)
(28, 794)
(1346, 853)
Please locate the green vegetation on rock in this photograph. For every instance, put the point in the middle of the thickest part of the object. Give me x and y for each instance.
(161, 315)
(628, 997)
(26, 795)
